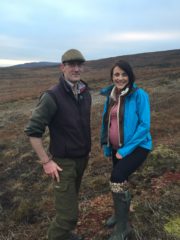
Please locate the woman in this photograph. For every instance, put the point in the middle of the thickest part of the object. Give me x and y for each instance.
(125, 137)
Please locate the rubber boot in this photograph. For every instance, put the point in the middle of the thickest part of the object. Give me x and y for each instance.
(75, 237)
(121, 205)
(111, 221)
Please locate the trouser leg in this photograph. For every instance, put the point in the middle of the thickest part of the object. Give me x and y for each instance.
(123, 168)
(80, 168)
(66, 205)
(66, 199)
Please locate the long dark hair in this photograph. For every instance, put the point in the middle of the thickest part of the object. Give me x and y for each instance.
(125, 66)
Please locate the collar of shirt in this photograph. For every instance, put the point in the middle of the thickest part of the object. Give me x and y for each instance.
(74, 87)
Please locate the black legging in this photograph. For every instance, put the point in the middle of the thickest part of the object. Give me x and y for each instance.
(123, 168)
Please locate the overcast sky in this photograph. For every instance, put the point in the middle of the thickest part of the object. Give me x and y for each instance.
(41, 30)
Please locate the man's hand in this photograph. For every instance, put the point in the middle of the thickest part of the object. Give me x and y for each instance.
(51, 168)
(118, 156)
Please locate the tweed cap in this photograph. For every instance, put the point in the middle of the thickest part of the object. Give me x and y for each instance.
(72, 55)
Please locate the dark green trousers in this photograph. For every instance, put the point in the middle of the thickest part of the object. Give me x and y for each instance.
(66, 198)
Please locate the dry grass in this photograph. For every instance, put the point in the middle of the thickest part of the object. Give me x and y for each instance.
(26, 202)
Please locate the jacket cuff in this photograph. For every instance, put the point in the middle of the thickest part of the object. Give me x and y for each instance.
(37, 135)
(121, 152)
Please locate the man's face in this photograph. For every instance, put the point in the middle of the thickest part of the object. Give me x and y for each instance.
(72, 71)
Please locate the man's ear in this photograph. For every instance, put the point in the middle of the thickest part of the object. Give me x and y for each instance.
(61, 66)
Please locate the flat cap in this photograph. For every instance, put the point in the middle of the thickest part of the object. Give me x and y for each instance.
(72, 55)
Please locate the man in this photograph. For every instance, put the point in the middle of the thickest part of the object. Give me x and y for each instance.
(65, 109)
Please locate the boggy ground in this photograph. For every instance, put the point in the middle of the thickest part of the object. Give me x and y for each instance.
(26, 198)
(26, 193)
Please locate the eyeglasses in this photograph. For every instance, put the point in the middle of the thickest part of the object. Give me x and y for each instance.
(80, 65)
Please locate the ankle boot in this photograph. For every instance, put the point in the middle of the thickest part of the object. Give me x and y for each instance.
(121, 205)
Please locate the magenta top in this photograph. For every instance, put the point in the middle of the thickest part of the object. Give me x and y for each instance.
(113, 128)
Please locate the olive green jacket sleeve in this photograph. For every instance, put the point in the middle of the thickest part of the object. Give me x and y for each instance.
(41, 116)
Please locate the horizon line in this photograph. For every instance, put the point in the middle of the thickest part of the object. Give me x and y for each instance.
(11, 62)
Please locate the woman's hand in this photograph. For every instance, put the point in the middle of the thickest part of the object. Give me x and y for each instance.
(118, 156)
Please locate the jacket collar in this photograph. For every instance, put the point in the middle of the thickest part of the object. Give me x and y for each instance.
(107, 90)
(82, 86)
(113, 94)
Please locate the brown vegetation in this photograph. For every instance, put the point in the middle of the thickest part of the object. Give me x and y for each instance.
(26, 202)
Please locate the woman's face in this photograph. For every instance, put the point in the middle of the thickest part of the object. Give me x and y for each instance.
(120, 78)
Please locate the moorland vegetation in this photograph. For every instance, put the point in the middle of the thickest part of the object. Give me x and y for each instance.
(26, 203)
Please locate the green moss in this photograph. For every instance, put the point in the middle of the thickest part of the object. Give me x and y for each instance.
(163, 151)
(163, 158)
(173, 226)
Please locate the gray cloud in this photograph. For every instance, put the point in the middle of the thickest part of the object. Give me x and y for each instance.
(43, 29)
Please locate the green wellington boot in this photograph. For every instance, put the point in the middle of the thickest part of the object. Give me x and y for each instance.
(111, 222)
(121, 205)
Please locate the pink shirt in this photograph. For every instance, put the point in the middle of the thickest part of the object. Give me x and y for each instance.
(113, 128)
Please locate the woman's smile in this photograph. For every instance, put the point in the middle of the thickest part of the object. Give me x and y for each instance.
(120, 78)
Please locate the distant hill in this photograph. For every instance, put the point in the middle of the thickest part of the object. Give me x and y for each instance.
(140, 59)
(157, 59)
(36, 64)
(31, 79)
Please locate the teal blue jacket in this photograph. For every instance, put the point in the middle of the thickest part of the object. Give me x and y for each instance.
(135, 122)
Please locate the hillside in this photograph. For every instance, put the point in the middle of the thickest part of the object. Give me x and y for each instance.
(26, 203)
(21, 83)
(35, 65)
